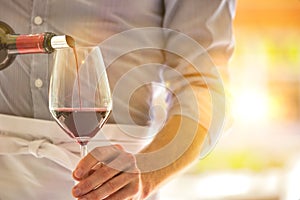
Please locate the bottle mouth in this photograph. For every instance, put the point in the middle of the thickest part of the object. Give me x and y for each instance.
(62, 41)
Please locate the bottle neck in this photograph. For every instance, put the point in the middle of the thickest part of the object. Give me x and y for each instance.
(12, 44)
(29, 44)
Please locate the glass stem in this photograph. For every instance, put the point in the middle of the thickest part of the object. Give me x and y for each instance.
(83, 150)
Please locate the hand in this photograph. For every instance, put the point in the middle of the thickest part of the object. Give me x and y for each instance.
(107, 173)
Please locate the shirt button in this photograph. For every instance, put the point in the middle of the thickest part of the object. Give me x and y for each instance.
(38, 20)
(38, 83)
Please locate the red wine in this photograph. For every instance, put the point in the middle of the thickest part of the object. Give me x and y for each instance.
(81, 123)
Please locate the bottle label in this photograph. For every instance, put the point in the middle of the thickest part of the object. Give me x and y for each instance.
(26, 44)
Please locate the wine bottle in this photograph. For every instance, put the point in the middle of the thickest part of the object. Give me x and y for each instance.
(12, 44)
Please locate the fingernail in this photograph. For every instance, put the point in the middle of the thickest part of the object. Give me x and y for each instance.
(77, 192)
(78, 173)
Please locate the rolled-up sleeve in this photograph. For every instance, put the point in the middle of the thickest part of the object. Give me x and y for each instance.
(199, 45)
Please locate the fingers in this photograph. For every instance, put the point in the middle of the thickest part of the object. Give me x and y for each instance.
(98, 155)
(84, 166)
(100, 176)
(123, 162)
(122, 186)
(119, 176)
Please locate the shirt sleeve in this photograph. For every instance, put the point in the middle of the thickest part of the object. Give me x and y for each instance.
(199, 43)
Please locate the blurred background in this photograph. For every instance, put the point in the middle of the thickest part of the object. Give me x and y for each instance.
(259, 159)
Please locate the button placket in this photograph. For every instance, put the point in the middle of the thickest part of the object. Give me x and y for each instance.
(39, 66)
(38, 16)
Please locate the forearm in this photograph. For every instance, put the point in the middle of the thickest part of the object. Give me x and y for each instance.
(175, 147)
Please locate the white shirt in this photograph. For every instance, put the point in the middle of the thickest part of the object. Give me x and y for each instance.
(24, 85)
(199, 31)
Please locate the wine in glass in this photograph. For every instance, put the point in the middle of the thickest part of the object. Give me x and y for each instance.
(79, 94)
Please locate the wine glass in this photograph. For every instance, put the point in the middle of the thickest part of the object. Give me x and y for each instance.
(79, 94)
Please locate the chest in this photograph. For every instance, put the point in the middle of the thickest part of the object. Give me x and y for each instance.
(89, 21)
